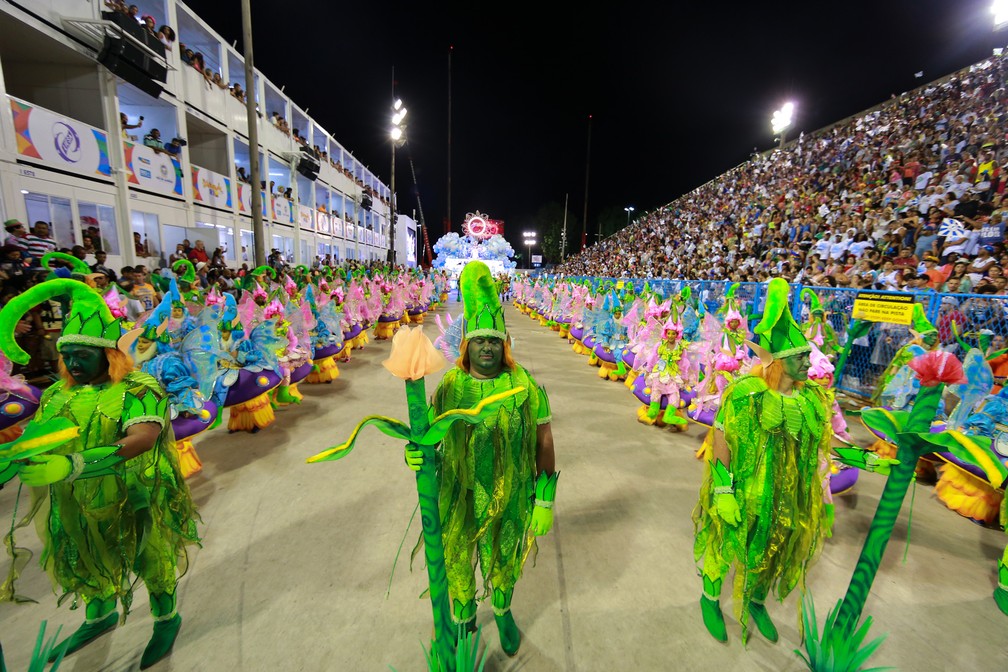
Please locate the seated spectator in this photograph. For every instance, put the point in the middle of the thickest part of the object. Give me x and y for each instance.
(16, 236)
(100, 267)
(39, 242)
(174, 147)
(167, 35)
(218, 81)
(153, 140)
(198, 253)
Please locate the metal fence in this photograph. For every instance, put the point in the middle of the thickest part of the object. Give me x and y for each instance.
(871, 353)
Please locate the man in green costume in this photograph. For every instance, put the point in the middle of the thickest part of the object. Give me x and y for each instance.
(497, 478)
(111, 502)
(761, 504)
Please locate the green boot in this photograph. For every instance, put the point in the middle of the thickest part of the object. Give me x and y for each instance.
(464, 615)
(672, 417)
(710, 608)
(507, 629)
(100, 617)
(1001, 592)
(654, 408)
(763, 623)
(167, 622)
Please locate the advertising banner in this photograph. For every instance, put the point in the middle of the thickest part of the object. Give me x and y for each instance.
(210, 188)
(336, 226)
(59, 141)
(245, 199)
(282, 210)
(154, 171)
(322, 222)
(306, 218)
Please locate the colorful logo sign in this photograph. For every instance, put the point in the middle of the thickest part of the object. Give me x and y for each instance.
(59, 141)
(154, 171)
(479, 226)
(210, 188)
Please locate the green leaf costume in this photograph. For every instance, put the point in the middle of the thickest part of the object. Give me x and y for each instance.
(779, 444)
(487, 479)
(139, 518)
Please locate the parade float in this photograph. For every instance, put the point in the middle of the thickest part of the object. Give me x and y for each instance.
(481, 239)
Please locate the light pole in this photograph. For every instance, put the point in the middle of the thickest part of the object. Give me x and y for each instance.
(781, 120)
(398, 136)
(530, 241)
(628, 209)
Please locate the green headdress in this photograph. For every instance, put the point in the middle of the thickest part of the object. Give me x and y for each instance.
(189, 274)
(483, 315)
(813, 299)
(89, 322)
(779, 334)
(76, 265)
(921, 324)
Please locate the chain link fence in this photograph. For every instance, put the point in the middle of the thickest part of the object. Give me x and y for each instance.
(867, 355)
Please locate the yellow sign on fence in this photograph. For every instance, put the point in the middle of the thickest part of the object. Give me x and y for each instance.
(876, 307)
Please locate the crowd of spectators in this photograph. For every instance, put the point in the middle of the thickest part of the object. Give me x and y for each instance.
(20, 268)
(909, 196)
(166, 34)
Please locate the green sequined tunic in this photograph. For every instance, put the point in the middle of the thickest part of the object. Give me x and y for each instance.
(779, 445)
(487, 479)
(99, 531)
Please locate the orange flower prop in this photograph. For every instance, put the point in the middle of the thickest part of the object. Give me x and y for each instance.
(413, 355)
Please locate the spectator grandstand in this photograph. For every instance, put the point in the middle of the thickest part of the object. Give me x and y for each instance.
(905, 196)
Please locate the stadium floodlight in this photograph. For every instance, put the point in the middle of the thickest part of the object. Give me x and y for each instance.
(398, 136)
(628, 209)
(530, 241)
(999, 8)
(782, 119)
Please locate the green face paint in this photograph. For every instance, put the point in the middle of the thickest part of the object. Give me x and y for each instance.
(930, 338)
(86, 364)
(486, 355)
(796, 366)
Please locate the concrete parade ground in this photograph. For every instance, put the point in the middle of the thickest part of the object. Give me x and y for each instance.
(294, 572)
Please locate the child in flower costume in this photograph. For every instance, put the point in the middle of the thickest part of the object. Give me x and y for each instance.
(497, 478)
(817, 330)
(117, 502)
(670, 372)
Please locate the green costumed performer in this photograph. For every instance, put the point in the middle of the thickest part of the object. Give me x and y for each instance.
(112, 501)
(761, 506)
(497, 480)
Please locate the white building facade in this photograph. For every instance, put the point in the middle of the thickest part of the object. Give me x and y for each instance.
(65, 158)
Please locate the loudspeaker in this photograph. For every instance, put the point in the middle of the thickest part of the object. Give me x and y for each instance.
(116, 49)
(308, 166)
(366, 202)
(129, 73)
(131, 26)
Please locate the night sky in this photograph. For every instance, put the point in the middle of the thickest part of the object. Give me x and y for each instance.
(676, 96)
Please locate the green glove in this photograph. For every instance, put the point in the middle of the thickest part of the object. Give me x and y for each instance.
(414, 456)
(545, 495)
(830, 511)
(727, 508)
(46, 470)
(725, 504)
(542, 520)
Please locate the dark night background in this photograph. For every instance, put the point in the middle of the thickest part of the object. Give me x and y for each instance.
(677, 96)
